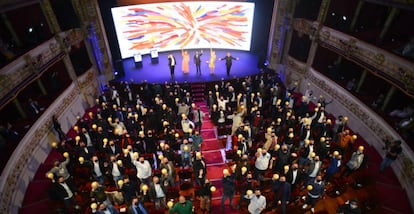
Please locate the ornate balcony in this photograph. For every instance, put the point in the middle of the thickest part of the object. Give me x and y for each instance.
(392, 68)
(18, 74)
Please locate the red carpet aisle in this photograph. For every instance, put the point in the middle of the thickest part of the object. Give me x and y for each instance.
(214, 153)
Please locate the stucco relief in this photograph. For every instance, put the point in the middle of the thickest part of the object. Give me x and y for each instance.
(26, 153)
(389, 65)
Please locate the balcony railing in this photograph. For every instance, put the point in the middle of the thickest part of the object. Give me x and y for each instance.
(368, 124)
(392, 68)
(18, 74)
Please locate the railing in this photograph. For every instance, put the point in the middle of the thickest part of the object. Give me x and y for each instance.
(15, 76)
(369, 125)
(388, 66)
(35, 145)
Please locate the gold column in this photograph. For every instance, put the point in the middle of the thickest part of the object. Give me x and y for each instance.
(11, 30)
(323, 10)
(41, 86)
(19, 108)
(50, 16)
(394, 12)
(356, 14)
(388, 97)
(289, 31)
(89, 14)
(69, 67)
(361, 80)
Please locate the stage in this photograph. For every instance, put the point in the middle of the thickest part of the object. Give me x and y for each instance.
(159, 72)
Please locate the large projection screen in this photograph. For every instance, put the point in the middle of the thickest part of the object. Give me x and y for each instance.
(183, 25)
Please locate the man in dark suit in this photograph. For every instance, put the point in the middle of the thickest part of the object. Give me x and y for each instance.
(197, 61)
(66, 192)
(229, 61)
(171, 62)
(294, 176)
(282, 193)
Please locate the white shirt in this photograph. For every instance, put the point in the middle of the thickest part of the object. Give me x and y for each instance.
(96, 169)
(256, 204)
(158, 191)
(316, 169)
(88, 139)
(294, 175)
(222, 104)
(172, 61)
(320, 119)
(185, 124)
(70, 193)
(310, 151)
(115, 170)
(144, 170)
(262, 162)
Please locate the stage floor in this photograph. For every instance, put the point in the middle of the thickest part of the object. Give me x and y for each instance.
(160, 72)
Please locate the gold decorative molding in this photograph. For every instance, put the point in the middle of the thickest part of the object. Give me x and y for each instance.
(32, 142)
(361, 113)
(392, 68)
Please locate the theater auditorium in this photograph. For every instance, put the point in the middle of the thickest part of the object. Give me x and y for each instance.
(208, 106)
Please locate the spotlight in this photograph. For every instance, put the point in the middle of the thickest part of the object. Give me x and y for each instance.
(344, 18)
(30, 29)
(333, 14)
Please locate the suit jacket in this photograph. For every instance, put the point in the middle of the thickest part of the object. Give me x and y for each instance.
(152, 192)
(282, 191)
(197, 59)
(141, 208)
(82, 153)
(117, 149)
(229, 60)
(171, 172)
(289, 176)
(60, 191)
(170, 61)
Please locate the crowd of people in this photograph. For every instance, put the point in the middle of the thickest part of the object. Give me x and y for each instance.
(133, 152)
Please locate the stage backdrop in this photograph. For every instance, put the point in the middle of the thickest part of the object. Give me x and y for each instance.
(183, 25)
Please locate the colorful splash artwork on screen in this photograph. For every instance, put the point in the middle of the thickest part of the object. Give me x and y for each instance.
(183, 25)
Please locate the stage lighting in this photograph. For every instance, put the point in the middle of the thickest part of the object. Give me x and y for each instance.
(138, 60)
(154, 56)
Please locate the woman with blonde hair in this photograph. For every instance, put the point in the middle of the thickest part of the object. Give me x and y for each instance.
(212, 62)
(186, 60)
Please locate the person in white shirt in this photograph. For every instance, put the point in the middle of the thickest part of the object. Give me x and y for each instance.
(262, 163)
(221, 103)
(257, 202)
(144, 170)
(186, 125)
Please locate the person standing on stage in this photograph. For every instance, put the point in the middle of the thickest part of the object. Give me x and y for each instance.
(171, 63)
(197, 61)
(212, 62)
(186, 60)
(229, 61)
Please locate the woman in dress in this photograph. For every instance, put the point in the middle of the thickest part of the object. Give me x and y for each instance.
(186, 61)
(212, 63)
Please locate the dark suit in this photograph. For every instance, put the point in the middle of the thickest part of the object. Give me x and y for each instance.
(229, 62)
(172, 62)
(298, 179)
(197, 61)
(282, 194)
(62, 194)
